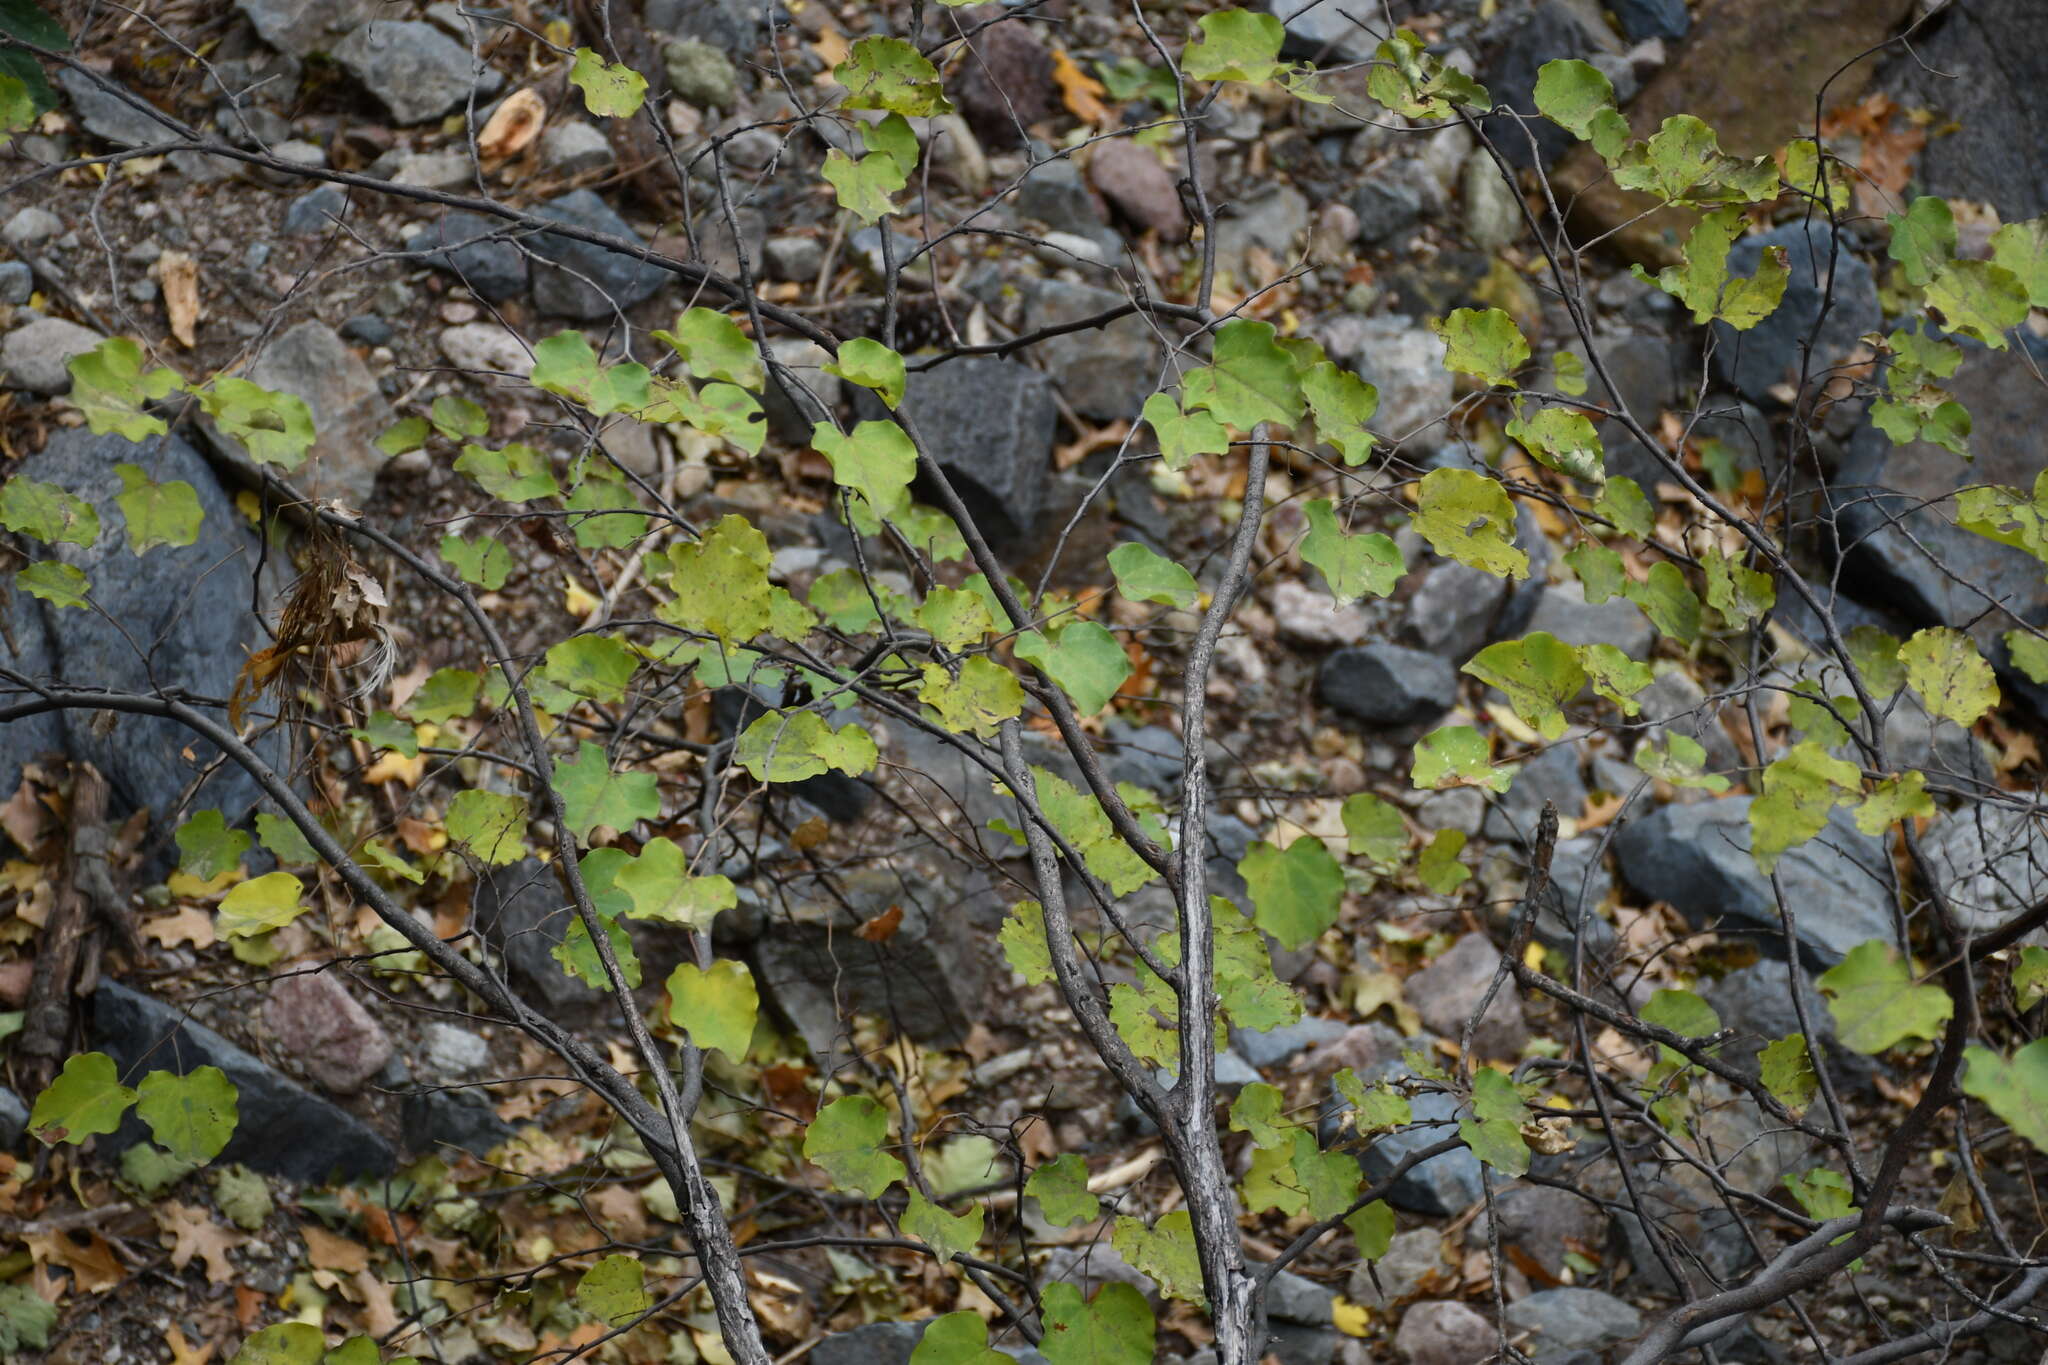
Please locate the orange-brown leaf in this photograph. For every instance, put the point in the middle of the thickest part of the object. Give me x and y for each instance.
(882, 927)
(1081, 91)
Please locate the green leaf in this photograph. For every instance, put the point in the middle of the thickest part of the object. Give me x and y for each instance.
(720, 581)
(1467, 516)
(386, 731)
(866, 188)
(1483, 343)
(717, 1006)
(1352, 566)
(1296, 891)
(1622, 502)
(846, 1140)
(593, 666)
(61, 585)
(1805, 166)
(286, 1343)
(1166, 1250)
(1570, 93)
(592, 794)
(1562, 440)
(1787, 1071)
(1800, 788)
(1538, 674)
(2030, 977)
(1875, 654)
(565, 364)
(1666, 599)
(956, 1339)
(1061, 1188)
(1923, 239)
(109, 385)
(876, 461)
(1183, 435)
(1902, 797)
(47, 512)
(491, 825)
(1875, 1003)
(376, 856)
(1342, 404)
(1374, 829)
(712, 346)
(1680, 156)
(1259, 1109)
(1083, 658)
(1236, 45)
(956, 618)
(191, 1116)
(457, 418)
(1373, 1228)
(86, 1099)
(1823, 1193)
(1497, 1142)
(1144, 576)
(1250, 380)
(1081, 821)
(260, 905)
(1438, 868)
(486, 562)
(1116, 1329)
(407, 434)
(946, 1234)
(614, 1291)
(283, 839)
(2016, 1091)
(1979, 299)
(275, 428)
(1682, 1012)
(446, 694)
(611, 518)
(207, 847)
(518, 473)
(983, 696)
(1407, 79)
(609, 90)
(1953, 680)
(242, 1196)
(1024, 945)
(657, 885)
(1739, 593)
(156, 513)
(1457, 756)
(1615, 676)
(577, 952)
(26, 1318)
(888, 73)
(871, 365)
(2022, 248)
(794, 745)
(1702, 282)
(1681, 762)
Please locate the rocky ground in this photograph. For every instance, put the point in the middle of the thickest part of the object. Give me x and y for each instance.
(467, 1157)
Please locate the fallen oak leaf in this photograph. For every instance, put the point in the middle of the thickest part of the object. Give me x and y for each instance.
(190, 925)
(194, 1233)
(330, 1251)
(1080, 91)
(182, 1351)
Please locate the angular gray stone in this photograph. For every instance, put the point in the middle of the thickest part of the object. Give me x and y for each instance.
(1386, 204)
(1567, 1320)
(700, 74)
(1756, 1001)
(1983, 67)
(1552, 776)
(1323, 33)
(283, 1129)
(602, 280)
(523, 912)
(1456, 609)
(315, 211)
(1770, 354)
(1055, 194)
(189, 605)
(1513, 50)
(349, 413)
(990, 424)
(14, 1114)
(36, 357)
(1579, 882)
(1545, 1223)
(1564, 612)
(106, 115)
(1277, 1045)
(416, 71)
(1383, 684)
(734, 25)
(462, 1119)
(30, 226)
(1697, 858)
(573, 147)
(1447, 991)
(1401, 358)
(1412, 1257)
(1444, 1332)
(1104, 373)
(793, 410)
(1992, 862)
(1492, 208)
(303, 27)
(1133, 178)
(1274, 222)
(1645, 19)
(1446, 1184)
(1675, 704)
(462, 244)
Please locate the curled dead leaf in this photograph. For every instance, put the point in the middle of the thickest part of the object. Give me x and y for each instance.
(177, 274)
(881, 928)
(512, 128)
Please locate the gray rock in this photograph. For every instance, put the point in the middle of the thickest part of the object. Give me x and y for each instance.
(480, 348)
(1105, 373)
(462, 1119)
(1401, 358)
(1133, 178)
(1674, 703)
(284, 1129)
(524, 914)
(14, 1114)
(1984, 68)
(37, 357)
(1449, 989)
(1312, 616)
(367, 329)
(573, 147)
(1275, 222)
(349, 412)
(1444, 1332)
(1323, 33)
(1457, 609)
(443, 170)
(1566, 1320)
(1091, 1265)
(1055, 194)
(733, 25)
(188, 604)
(700, 74)
(580, 279)
(1756, 1001)
(1493, 210)
(1294, 1344)
(1412, 1257)
(1386, 203)
(1579, 883)
(1383, 684)
(1697, 858)
(1564, 612)
(1444, 1185)
(877, 1343)
(1148, 755)
(454, 1052)
(1277, 1045)
(1645, 19)
(1992, 862)
(414, 69)
(1902, 546)
(300, 28)
(1513, 50)
(461, 244)
(108, 116)
(1770, 354)
(796, 258)
(17, 283)
(1459, 808)
(30, 226)
(1544, 1222)
(1552, 776)
(315, 212)
(792, 413)
(990, 424)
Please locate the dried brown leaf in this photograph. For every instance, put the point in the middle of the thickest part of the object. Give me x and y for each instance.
(513, 127)
(177, 274)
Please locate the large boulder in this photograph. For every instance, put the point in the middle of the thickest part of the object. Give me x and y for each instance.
(524, 912)
(462, 244)
(1105, 373)
(301, 29)
(349, 413)
(1697, 858)
(990, 425)
(580, 279)
(414, 69)
(1983, 67)
(1830, 287)
(176, 618)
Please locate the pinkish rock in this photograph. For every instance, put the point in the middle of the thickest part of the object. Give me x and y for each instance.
(1136, 181)
(1447, 991)
(314, 1019)
(1444, 1332)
